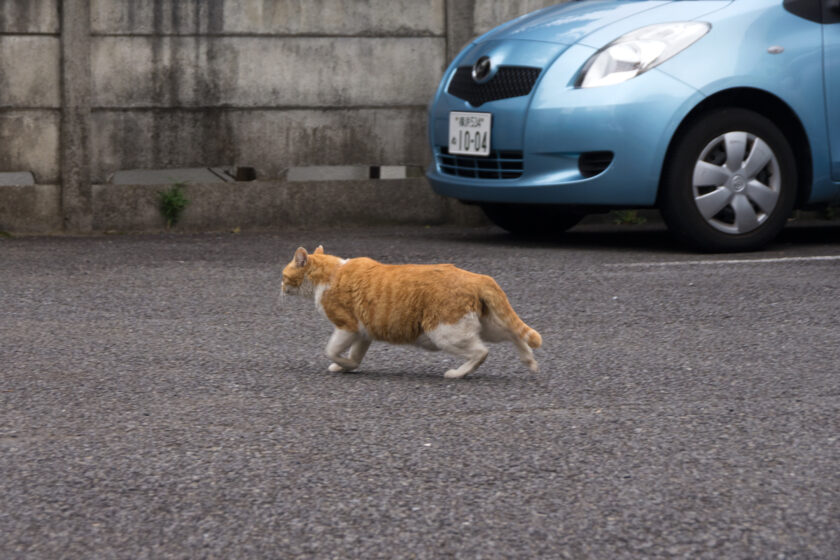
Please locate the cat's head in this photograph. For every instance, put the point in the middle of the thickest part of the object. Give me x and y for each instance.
(296, 275)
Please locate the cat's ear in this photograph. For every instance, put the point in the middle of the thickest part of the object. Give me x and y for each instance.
(301, 257)
(319, 250)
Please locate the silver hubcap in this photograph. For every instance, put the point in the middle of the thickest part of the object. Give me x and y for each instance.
(736, 182)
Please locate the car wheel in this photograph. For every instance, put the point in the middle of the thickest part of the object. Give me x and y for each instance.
(532, 219)
(730, 182)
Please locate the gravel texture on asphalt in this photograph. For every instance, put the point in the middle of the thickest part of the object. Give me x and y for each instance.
(158, 400)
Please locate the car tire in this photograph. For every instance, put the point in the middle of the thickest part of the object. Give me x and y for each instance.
(532, 219)
(729, 183)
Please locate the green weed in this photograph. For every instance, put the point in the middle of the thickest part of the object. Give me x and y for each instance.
(628, 217)
(831, 213)
(171, 203)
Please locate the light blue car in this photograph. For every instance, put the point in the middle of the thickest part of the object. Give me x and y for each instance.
(724, 114)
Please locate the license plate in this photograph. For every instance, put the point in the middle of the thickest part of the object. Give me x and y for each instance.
(469, 133)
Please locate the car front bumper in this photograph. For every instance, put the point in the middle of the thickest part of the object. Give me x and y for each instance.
(556, 125)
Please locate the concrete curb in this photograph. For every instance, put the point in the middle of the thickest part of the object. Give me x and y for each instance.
(30, 208)
(266, 205)
(244, 205)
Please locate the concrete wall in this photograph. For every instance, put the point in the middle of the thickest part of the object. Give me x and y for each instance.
(30, 92)
(263, 84)
(91, 87)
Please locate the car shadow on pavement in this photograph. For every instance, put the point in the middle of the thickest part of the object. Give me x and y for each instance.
(653, 238)
(810, 233)
(599, 238)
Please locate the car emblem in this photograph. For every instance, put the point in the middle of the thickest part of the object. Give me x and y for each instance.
(481, 70)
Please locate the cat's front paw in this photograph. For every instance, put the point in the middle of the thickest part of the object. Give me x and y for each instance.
(335, 368)
(453, 374)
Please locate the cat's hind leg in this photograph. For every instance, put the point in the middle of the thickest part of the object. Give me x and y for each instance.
(357, 352)
(526, 355)
(492, 330)
(461, 339)
(475, 352)
(339, 342)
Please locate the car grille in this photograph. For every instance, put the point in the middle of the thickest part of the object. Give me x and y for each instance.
(500, 164)
(509, 81)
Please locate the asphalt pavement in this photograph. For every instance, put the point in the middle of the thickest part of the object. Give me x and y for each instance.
(158, 400)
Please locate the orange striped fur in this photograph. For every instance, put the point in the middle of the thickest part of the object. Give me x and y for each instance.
(437, 307)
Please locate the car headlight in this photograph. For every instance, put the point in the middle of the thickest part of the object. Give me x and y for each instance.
(639, 51)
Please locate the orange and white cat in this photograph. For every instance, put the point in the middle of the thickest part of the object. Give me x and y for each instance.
(436, 307)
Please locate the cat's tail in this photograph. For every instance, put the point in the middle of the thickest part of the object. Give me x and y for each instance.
(496, 302)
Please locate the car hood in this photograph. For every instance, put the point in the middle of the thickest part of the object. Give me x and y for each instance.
(571, 22)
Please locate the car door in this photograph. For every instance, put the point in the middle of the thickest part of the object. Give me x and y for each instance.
(831, 62)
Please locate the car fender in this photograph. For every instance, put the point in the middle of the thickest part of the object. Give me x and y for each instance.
(769, 43)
